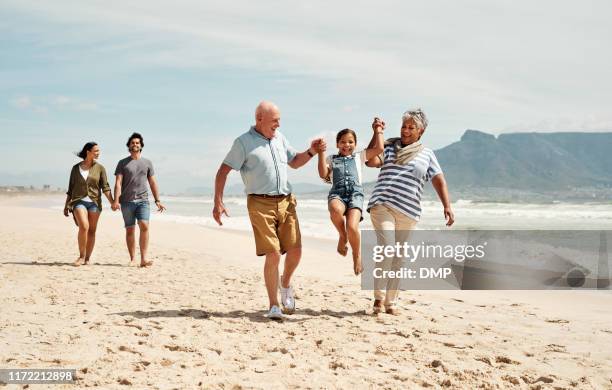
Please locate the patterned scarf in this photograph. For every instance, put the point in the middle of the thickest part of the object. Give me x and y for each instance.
(404, 154)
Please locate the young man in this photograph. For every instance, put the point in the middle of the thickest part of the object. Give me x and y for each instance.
(132, 196)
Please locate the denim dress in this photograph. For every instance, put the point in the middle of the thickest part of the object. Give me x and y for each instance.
(346, 184)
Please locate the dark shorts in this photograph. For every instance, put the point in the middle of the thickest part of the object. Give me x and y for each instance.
(135, 210)
(91, 207)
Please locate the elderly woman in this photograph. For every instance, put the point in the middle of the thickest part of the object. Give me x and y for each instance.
(395, 204)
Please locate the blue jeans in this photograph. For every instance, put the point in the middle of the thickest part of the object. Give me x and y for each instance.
(91, 207)
(135, 210)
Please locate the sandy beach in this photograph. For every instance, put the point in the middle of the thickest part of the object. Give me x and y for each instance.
(196, 318)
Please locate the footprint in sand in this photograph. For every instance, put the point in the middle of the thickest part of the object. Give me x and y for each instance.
(557, 321)
(505, 360)
(484, 359)
(544, 379)
(124, 381)
(123, 348)
(166, 363)
(511, 379)
(555, 348)
(175, 348)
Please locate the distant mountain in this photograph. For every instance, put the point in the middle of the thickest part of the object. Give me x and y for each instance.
(528, 161)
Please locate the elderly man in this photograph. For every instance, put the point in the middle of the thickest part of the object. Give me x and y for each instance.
(262, 155)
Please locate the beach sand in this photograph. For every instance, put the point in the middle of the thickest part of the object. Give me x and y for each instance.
(196, 318)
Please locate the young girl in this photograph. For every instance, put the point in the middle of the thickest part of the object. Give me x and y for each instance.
(344, 172)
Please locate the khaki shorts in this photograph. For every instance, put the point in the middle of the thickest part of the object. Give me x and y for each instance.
(275, 223)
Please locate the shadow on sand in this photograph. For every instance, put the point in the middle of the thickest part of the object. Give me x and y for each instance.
(61, 264)
(256, 316)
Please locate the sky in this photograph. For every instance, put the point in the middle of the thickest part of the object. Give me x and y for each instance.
(189, 74)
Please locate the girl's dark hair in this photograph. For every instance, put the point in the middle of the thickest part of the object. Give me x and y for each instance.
(135, 135)
(341, 134)
(86, 148)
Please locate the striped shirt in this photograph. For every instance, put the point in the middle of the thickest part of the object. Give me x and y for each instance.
(401, 186)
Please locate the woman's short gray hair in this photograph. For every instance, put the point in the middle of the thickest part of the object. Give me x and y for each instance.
(418, 115)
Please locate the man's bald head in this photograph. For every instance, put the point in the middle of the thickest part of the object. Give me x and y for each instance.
(267, 118)
(265, 107)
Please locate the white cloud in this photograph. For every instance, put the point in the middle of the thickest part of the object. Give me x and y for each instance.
(26, 103)
(22, 102)
(72, 104)
(469, 56)
(42, 104)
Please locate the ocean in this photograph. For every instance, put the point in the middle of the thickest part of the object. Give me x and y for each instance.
(314, 217)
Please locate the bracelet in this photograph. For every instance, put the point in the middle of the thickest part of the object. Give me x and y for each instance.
(157, 201)
(310, 154)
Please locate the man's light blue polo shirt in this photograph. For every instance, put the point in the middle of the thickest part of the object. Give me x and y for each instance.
(262, 162)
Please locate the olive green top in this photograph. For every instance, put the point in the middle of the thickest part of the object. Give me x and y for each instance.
(96, 184)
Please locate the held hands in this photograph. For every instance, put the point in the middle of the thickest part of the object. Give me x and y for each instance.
(449, 216)
(218, 210)
(115, 206)
(378, 125)
(318, 145)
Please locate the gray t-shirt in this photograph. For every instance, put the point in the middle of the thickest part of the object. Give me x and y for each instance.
(135, 178)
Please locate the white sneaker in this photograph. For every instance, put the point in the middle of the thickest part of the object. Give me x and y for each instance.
(287, 300)
(275, 313)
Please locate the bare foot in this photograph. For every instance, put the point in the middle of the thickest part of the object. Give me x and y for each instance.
(86, 262)
(78, 262)
(342, 248)
(391, 310)
(357, 267)
(146, 263)
(377, 306)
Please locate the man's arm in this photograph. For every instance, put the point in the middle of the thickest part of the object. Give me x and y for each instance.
(155, 191)
(439, 183)
(118, 181)
(302, 158)
(220, 180)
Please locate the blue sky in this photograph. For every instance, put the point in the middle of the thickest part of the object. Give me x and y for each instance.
(189, 74)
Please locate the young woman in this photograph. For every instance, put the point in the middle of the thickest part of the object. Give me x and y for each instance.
(84, 198)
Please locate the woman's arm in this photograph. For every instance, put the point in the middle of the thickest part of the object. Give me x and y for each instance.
(439, 183)
(109, 196)
(322, 166)
(379, 142)
(105, 186)
(66, 211)
(69, 192)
